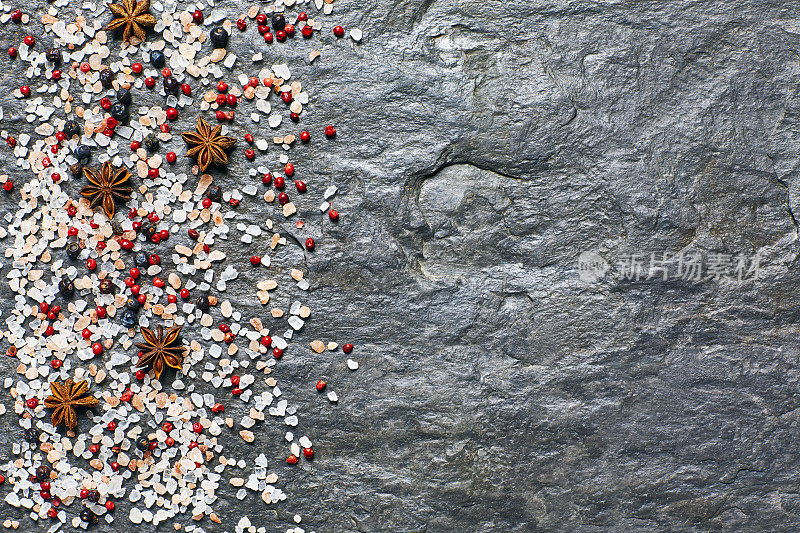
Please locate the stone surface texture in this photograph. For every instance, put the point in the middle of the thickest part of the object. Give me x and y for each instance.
(482, 147)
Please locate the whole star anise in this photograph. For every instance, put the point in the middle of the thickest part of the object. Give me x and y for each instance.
(110, 185)
(68, 396)
(161, 350)
(207, 145)
(133, 18)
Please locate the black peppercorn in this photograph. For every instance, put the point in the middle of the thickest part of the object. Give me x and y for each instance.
(73, 250)
(151, 142)
(93, 496)
(214, 192)
(219, 37)
(157, 58)
(202, 303)
(42, 473)
(171, 86)
(88, 516)
(278, 21)
(71, 129)
(149, 229)
(142, 261)
(124, 95)
(143, 443)
(54, 56)
(76, 169)
(83, 153)
(107, 286)
(132, 304)
(66, 287)
(119, 111)
(116, 227)
(31, 435)
(107, 78)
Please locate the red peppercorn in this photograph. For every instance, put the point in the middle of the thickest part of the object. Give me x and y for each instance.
(84, 493)
(292, 459)
(310, 244)
(279, 182)
(302, 16)
(185, 293)
(267, 179)
(137, 68)
(29, 40)
(280, 35)
(197, 16)
(154, 259)
(52, 513)
(249, 153)
(56, 309)
(134, 272)
(164, 128)
(266, 340)
(289, 29)
(231, 100)
(8, 186)
(164, 234)
(25, 90)
(169, 441)
(253, 81)
(44, 307)
(222, 86)
(334, 215)
(86, 333)
(126, 244)
(166, 72)
(152, 173)
(235, 380)
(135, 145)
(186, 89)
(171, 157)
(241, 24)
(12, 52)
(206, 248)
(172, 298)
(101, 312)
(49, 331)
(192, 445)
(308, 453)
(97, 348)
(56, 74)
(294, 116)
(262, 29)
(286, 96)
(32, 403)
(277, 353)
(56, 363)
(140, 375)
(347, 348)
(338, 31)
(152, 217)
(261, 18)
(307, 31)
(255, 260)
(221, 115)
(268, 37)
(136, 289)
(142, 299)
(85, 67)
(288, 169)
(218, 408)
(330, 131)
(206, 202)
(321, 385)
(193, 234)
(114, 466)
(283, 198)
(16, 15)
(111, 426)
(301, 186)
(109, 504)
(150, 82)
(11, 141)
(172, 113)
(249, 138)
(197, 427)
(111, 122)
(305, 136)
(237, 391)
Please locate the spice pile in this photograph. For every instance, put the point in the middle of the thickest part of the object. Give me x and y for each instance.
(128, 351)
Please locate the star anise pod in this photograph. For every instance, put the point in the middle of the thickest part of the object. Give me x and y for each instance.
(207, 145)
(161, 350)
(111, 184)
(68, 396)
(132, 17)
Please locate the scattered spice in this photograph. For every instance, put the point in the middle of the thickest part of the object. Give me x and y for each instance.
(67, 397)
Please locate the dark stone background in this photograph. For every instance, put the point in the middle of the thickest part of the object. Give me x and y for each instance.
(483, 145)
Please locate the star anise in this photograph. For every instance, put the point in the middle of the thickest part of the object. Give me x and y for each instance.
(161, 350)
(68, 396)
(207, 145)
(132, 17)
(110, 184)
